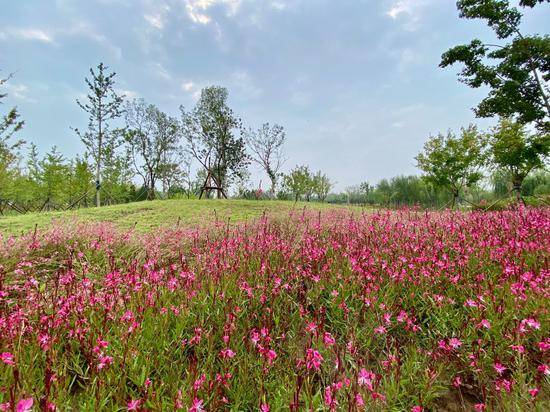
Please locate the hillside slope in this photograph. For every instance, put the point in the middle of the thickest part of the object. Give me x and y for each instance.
(159, 213)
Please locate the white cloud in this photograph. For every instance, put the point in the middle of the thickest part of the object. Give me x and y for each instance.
(197, 10)
(155, 20)
(411, 9)
(19, 92)
(188, 86)
(128, 94)
(28, 34)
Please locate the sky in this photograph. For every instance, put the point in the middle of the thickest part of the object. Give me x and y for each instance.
(355, 83)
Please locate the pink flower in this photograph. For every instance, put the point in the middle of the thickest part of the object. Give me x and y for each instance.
(533, 392)
(313, 359)
(359, 400)
(7, 358)
(196, 406)
(104, 361)
(518, 348)
(366, 378)
(417, 408)
(227, 353)
(328, 339)
(270, 355)
(455, 343)
(499, 367)
(484, 323)
(133, 405)
(380, 330)
(264, 407)
(480, 407)
(544, 369)
(5, 406)
(24, 405)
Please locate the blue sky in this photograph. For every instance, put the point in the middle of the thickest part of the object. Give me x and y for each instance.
(355, 83)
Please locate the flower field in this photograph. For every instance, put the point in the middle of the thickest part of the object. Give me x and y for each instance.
(400, 311)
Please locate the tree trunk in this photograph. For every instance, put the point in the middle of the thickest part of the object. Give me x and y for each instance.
(517, 181)
(98, 163)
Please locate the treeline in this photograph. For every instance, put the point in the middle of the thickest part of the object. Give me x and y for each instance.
(134, 151)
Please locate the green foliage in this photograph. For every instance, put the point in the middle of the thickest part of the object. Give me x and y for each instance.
(298, 182)
(515, 72)
(321, 185)
(453, 162)
(211, 132)
(152, 138)
(517, 151)
(103, 106)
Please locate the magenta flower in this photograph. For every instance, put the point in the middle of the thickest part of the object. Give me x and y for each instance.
(7, 358)
(133, 405)
(24, 405)
(313, 359)
(196, 406)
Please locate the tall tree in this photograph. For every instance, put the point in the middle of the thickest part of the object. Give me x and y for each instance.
(266, 144)
(299, 182)
(214, 137)
(453, 162)
(321, 185)
(103, 105)
(152, 138)
(517, 152)
(517, 73)
(10, 124)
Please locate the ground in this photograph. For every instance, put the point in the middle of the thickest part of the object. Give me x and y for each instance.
(161, 213)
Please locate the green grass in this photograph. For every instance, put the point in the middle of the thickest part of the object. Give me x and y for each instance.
(147, 216)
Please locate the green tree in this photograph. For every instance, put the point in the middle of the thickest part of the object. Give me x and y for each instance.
(321, 185)
(517, 151)
(211, 130)
(54, 170)
(10, 124)
(453, 162)
(103, 105)
(299, 182)
(266, 144)
(152, 137)
(516, 73)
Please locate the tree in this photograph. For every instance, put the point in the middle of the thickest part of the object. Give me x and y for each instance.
(517, 152)
(54, 172)
(517, 73)
(9, 125)
(453, 162)
(298, 182)
(210, 130)
(152, 137)
(321, 186)
(266, 144)
(103, 105)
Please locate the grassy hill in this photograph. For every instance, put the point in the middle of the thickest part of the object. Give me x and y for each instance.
(159, 213)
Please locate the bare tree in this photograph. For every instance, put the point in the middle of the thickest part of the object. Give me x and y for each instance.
(152, 137)
(267, 145)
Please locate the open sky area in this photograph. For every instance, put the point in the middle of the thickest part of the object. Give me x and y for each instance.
(355, 83)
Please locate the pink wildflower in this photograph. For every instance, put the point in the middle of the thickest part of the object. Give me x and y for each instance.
(24, 405)
(313, 359)
(7, 358)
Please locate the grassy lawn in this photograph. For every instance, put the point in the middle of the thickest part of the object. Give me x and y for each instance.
(161, 213)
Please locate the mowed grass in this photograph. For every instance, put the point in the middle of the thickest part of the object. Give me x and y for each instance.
(151, 215)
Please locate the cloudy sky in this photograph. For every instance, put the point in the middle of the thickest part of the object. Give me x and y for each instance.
(355, 83)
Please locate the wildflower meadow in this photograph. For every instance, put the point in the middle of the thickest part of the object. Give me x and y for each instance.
(323, 311)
